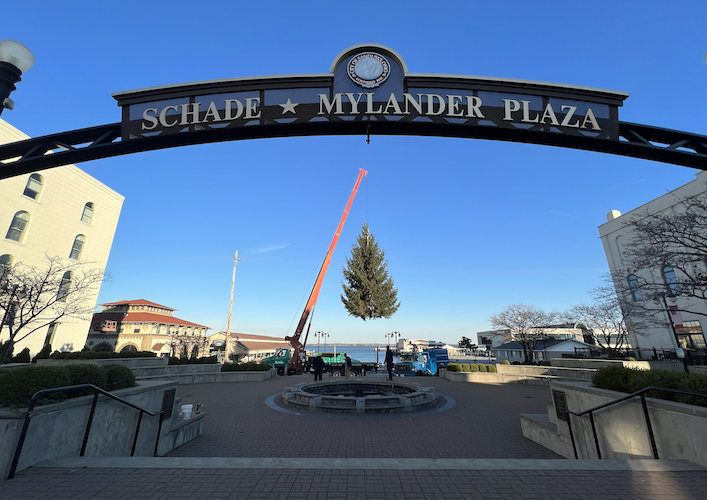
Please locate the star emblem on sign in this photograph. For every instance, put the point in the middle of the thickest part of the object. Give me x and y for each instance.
(289, 106)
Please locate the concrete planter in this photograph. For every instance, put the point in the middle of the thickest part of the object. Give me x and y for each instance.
(535, 375)
(57, 430)
(132, 363)
(206, 377)
(680, 430)
(594, 364)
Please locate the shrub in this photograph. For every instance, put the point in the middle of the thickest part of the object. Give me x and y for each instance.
(118, 377)
(466, 367)
(491, 368)
(19, 385)
(22, 357)
(243, 367)
(85, 374)
(94, 355)
(483, 368)
(629, 380)
(43, 354)
(505, 362)
(630, 358)
(474, 368)
(454, 367)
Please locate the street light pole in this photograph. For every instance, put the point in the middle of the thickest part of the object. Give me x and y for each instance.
(15, 59)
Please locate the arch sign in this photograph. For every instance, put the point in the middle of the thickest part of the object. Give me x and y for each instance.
(368, 91)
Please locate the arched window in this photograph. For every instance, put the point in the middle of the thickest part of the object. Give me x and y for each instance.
(6, 262)
(129, 348)
(64, 287)
(18, 226)
(87, 215)
(77, 248)
(671, 281)
(635, 287)
(34, 186)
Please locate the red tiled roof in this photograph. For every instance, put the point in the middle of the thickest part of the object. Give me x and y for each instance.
(144, 317)
(138, 302)
(249, 336)
(265, 346)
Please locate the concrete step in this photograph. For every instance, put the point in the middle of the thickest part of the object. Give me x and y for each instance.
(368, 464)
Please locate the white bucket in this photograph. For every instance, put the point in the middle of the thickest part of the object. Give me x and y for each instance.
(186, 411)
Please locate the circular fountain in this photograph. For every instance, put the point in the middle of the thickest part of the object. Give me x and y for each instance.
(358, 396)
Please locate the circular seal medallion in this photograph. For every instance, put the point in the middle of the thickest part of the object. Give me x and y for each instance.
(368, 69)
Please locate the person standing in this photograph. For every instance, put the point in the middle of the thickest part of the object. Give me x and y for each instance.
(318, 365)
(389, 362)
(347, 366)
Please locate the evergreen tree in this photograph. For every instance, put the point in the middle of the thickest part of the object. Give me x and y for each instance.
(369, 291)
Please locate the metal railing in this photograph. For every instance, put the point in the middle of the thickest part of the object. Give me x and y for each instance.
(649, 427)
(97, 391)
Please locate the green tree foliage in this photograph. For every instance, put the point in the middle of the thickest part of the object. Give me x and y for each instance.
(465, 343)
(369, 291)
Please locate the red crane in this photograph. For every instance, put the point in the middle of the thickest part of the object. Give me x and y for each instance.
(299, 347)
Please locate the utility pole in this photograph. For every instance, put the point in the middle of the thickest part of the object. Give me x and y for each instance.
(227, 343)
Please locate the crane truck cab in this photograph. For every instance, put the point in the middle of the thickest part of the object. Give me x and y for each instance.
(281, 360)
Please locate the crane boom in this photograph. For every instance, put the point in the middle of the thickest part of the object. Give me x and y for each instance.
(294, 340)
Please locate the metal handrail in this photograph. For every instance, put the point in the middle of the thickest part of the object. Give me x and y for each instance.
(97, 391)
(642, 395)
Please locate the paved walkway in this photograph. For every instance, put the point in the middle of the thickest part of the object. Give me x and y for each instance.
(474, 449)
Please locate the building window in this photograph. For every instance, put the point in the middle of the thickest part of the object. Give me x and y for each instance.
(77, 248)
(87, 215)
(51, 333)
(671, 281)
(6, 263)
(635, 288)
(689, 335)
(64, 287)
(18, 227)
(34, 186)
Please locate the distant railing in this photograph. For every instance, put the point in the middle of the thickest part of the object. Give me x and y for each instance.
(642, 395)
(97, 391)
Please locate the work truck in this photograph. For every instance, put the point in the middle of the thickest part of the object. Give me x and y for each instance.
(334, 364)
(425, 362)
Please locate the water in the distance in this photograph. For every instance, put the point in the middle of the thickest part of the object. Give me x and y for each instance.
(359, 352)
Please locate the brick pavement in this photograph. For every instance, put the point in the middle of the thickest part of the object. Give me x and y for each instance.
(297, 484)
(483, 424)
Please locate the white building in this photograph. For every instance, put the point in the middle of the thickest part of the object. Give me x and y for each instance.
(544, 351)
(60, 212)
(615, 234)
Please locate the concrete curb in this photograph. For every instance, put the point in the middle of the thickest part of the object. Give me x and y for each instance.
(367, 464)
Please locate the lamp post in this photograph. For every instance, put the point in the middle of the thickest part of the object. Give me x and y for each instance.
(15, 59)
(672, 327)
(319, 336)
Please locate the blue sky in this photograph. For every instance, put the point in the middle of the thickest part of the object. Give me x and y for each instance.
(468, 226)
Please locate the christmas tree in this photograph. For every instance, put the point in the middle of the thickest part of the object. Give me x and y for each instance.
(369, 292)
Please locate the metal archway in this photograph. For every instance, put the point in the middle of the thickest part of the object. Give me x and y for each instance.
(367, 91)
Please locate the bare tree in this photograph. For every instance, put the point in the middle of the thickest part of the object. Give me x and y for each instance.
(183, 345)
(667, 254)
(605, 318)
(527, 325)
(31, 298)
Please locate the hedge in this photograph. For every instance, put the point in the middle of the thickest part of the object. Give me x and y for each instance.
(18, 386)
(102, 354)
(189, 361)
(629, 380)
(464, 367)
(245, 367)
(454, 367)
